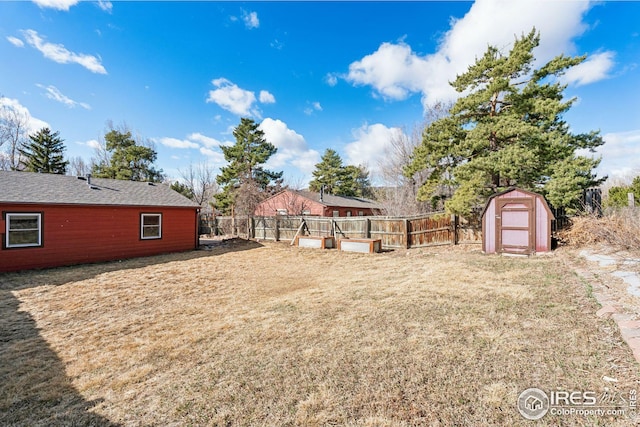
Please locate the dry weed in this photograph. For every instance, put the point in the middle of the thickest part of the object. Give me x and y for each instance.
(619, 228)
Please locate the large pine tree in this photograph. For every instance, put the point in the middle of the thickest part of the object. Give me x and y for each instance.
(126, 159)
(245, 182)
(507, 130)
(327, 172)
(44, 152)
(334, 178)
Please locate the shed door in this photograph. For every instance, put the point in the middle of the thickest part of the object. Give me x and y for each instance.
(515, 226)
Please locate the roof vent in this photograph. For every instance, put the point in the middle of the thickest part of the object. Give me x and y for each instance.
(82, 178)
(150, 183)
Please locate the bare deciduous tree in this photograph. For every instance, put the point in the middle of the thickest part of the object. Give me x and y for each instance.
(13, 134)
(78, 167)
(200, 180)
(399, 193)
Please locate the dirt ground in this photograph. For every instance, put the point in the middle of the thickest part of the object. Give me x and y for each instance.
(250, 333)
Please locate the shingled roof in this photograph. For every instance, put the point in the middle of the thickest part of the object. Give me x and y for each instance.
(43, 188)
(339, 201)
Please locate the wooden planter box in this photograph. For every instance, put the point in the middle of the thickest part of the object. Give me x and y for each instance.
(360, 245)
(317, 242)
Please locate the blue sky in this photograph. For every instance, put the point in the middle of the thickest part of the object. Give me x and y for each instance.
(343, 75)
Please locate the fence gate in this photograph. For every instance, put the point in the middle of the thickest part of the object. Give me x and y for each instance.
(515, 226)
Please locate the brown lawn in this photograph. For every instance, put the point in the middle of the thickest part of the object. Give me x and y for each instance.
(270, 335)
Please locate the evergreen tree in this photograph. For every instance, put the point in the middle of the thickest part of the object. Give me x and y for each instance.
(339, 180)
(245, 181)
(125, 159)
(507, 130)
(44, 152)
(354, 182)
(328, 173)
(618, 195)
(182, 189)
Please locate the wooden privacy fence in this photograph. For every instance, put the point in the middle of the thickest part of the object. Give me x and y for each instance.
(395, 232)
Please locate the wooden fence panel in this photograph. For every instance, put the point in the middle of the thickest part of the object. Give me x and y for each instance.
(223, 225)
(391, 231)
(351, 228)
(318, 226)
(394, 232)
(469, 230)
(264, 228)
(431, 230)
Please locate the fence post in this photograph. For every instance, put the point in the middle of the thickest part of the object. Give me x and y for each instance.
(276, 232)
(407, 242)
(454, 224)
(367, 228)
(251, 232)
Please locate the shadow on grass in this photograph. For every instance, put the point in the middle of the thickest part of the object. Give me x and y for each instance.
(34, 387)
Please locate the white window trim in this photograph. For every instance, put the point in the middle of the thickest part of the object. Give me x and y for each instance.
(8, 217)
(142, 217)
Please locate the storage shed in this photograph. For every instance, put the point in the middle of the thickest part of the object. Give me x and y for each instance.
(516, 221)
(54, 220)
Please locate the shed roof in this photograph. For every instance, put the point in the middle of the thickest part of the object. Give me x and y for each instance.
(43, 188)
(339, 201)
(511, 189)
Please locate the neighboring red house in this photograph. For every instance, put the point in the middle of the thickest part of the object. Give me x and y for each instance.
(54, 220)
(516, 221)
(300, 202)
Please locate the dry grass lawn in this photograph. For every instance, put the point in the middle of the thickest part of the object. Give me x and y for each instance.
(270, 335)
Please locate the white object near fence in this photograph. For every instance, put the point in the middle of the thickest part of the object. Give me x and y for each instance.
(317, 242)
(360, 245)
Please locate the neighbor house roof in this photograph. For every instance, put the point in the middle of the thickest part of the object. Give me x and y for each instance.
(339, 201)
(43, 188)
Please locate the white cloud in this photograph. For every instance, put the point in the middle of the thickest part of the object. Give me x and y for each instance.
(250, 19)
(15, 41)
(315, 106)
(593, 69)
(370, 144)
(232, 98)
(395, 71)
(177, 143)
(207, 141)
(56, 4)
(58, 53)
(33, 124)
(215, 156)
(93, 143)
(620, 154)
(331, 79)
(266, 97)
(292, 147)
(107, 6)
(54, 93)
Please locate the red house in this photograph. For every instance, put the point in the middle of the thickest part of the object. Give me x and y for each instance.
(54, 220)
(300, 202)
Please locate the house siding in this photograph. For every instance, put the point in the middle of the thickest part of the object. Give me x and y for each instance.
(76, 234)
(293, 203)
(296, 204)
